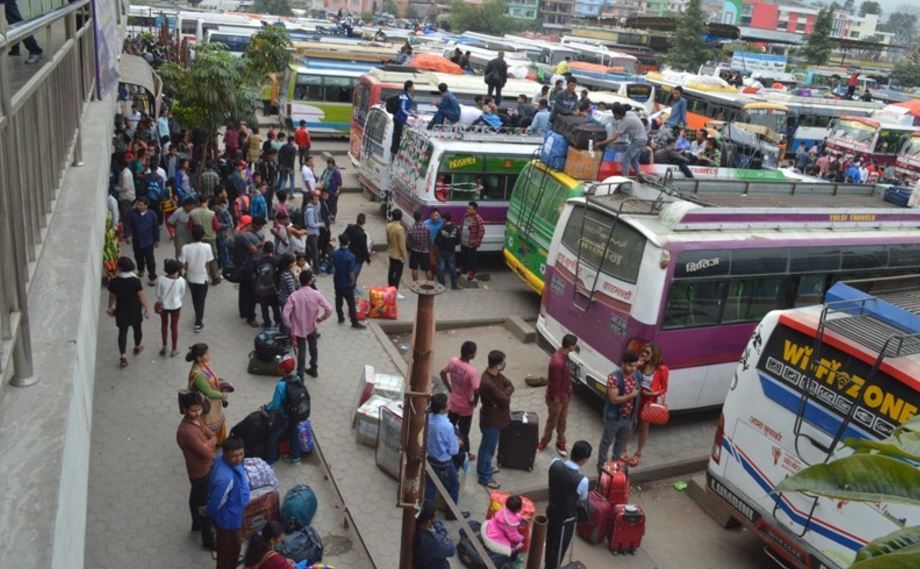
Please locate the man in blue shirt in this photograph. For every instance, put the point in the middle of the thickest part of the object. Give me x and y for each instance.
(443, 444)
(344, 281)
(228, 494)
(567, 487)
(678, 116)
(851, 175)
(312, 223)
(448, 108)
(142, 225)
(403, 112)
(282, 423)
(540, 122)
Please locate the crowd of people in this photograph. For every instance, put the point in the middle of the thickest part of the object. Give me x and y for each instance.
(816, 160)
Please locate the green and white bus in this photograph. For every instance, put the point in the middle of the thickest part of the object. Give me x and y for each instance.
(320, 95)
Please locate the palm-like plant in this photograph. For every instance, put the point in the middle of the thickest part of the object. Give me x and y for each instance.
(877, 472)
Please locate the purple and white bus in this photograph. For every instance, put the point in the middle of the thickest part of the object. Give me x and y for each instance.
(695, 270)
(447, 169)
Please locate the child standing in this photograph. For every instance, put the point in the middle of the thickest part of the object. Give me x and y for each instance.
(502, 533)
(171, 288)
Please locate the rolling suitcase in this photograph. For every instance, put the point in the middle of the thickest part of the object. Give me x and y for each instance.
(270, 344)
(258, 366)
(613, 483)
(260, 511)
(579, 131)
(517, 445)
(597, 528)
(628, 528)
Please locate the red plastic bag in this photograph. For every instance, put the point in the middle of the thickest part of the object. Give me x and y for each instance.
(383, 302)
(362, 309)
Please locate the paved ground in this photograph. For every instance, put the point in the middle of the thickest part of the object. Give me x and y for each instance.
(50, 41)
(138, 483)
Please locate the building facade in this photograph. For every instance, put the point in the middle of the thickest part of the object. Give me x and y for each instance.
(557, 13)
(800, 19)
(527, 10)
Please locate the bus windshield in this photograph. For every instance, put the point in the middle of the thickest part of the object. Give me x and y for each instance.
(888, 141)
(854, 131)
(774, 119)
(601, 242)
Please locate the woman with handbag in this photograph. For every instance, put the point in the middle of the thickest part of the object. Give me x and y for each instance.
(203, 379)
(171, 289)
(652, 408)
(128, 304)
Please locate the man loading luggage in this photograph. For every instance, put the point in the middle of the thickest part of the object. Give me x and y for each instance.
(290, 404)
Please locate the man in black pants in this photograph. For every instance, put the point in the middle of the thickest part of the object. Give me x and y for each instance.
(247, 248)
(567, 487)
(13, 16)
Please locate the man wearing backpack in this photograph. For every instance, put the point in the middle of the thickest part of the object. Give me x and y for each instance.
(290, 405)
(302, 313)
(266, 287)
(154, 191)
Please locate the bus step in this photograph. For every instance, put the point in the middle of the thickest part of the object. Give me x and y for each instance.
(776, 558)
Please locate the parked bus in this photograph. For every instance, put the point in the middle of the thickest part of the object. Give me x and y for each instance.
(148, 19)
(809, 378)
(694, 271)
(868, 139)
(447, 169)
(236, 40)
(592, 53)
(550, 53)
(378, 84)
(322, 96)
(637, 92)
(907, 165)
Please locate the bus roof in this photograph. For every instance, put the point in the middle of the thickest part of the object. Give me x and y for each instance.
(471, 139)
(758, 105)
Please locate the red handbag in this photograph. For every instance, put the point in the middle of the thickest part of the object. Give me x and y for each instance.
(655, 414)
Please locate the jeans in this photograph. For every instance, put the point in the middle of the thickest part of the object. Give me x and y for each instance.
(447, 260)
(358, 267)
(281, 427)
(123, 336)
(286, 175)
(447, 473)
(13, 16)
(145, 258)
(347, 295)
(631, 156)
(616, 431)
(303, 152)
(312, 252)
(198, 496)
(199, 294)
(463, 423)
(304, 344)
(333, 204)
(468, 260)
(270, 307)
(441, 118)
(487, 447)
(394, 274)
(169, 321)
(223, 252)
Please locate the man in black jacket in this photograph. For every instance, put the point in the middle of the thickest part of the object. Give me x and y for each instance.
(567, 487)
(286, 156)
(357, 238)
(496, 75)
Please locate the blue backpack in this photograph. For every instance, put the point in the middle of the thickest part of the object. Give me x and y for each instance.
(154, 191)
(298, 507)
(302, 545)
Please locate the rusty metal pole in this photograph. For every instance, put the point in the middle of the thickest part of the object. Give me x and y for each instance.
(537, 541)
(415, 425)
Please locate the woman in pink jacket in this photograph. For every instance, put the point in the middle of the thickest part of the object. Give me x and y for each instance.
(502, 533)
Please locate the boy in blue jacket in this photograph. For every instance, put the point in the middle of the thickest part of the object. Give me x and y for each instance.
(228, 494)
(143, 227)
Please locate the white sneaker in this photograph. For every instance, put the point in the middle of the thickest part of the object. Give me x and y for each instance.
(400, 296)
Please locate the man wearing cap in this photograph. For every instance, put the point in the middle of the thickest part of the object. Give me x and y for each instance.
(303, 311)
(247, 248)
(283, 424)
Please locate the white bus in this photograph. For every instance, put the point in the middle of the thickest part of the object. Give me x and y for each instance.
(694, 266)
(550, 53)
(808, 379)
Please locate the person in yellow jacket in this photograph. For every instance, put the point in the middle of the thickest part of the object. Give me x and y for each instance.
(563, 66)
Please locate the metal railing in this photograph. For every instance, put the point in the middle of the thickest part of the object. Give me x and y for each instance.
(39, 134)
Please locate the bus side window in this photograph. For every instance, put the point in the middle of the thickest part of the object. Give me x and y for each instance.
(337, 89)
(750, 299)
(694, 303)
(810, 290)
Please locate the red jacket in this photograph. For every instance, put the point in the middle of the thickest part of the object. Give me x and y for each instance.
(559, 380)
(477, 230)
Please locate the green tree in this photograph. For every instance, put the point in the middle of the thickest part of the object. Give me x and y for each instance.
(489, 17)
(903, 24)
(389, 7)
(907, 70)
(875, 473)
(870, 7)
(411, 13)
(269, 51)
(819, 44)
(849, 6)
(274, 7)
(688, 48)
(214, 88)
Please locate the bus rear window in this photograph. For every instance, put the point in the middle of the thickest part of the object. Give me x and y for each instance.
(591, 238)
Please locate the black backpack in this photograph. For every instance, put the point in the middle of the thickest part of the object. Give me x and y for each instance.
(296, 400)
(392, 103)
(265, 287)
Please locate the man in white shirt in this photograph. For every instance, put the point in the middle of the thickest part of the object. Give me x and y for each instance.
(195, 256)
(309, 179)
(133, 119)
(125, 188)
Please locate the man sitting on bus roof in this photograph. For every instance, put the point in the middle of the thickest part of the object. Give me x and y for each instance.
(448, 108)
(678, 116)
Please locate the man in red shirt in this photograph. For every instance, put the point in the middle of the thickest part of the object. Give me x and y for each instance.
(558, 393)
(302, 140)
(462, 380)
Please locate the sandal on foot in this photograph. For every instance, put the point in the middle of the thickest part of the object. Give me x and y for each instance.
(138, 350)
(123, 362)
(163, 351)
(634, 461)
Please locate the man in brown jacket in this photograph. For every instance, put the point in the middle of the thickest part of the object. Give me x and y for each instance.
(198, 445)
(495, 396)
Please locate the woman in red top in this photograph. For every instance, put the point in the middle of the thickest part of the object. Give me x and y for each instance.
(261, 554)
(654, 386)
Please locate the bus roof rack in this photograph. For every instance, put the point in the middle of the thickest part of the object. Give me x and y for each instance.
(479, 133)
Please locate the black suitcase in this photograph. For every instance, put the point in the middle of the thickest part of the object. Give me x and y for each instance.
(258, 366)
(579, 131)
(253, 431)
(270, 344)
(517, 446)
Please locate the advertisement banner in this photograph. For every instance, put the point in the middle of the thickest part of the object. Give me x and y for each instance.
(763, 64)
(108, 46)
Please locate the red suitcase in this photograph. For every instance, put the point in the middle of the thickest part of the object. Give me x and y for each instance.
(597, 528)
(260, 511)
(628, 528)
(613, 483)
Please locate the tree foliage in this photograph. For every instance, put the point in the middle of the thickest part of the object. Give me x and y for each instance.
(688, 48)
(819, 44)
(411, 13)
(389, 7)
(489, 17)
(269, 51)
(906, 71)
(274, 7)
(870, 7)
(875, 473)
(903, 24)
